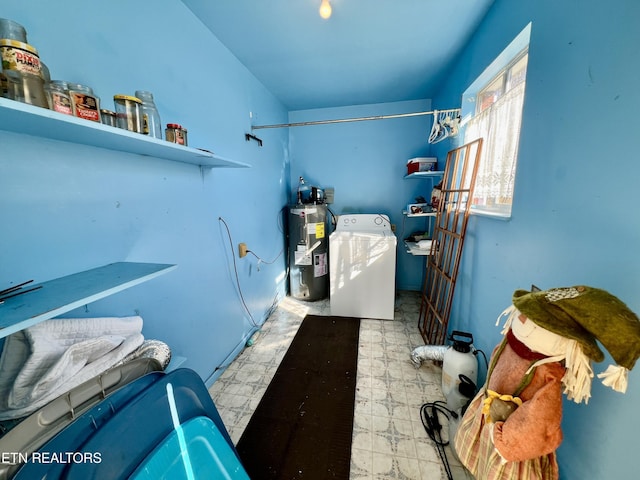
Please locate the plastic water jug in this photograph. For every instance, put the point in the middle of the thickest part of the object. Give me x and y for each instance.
(458, 360)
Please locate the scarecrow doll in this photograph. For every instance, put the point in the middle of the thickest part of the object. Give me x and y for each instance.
(512, 428)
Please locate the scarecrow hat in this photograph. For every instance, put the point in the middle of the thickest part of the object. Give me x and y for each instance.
(585, 314)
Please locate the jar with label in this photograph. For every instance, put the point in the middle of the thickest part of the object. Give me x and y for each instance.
(58, 96)
(19, 57)
(10, 30)
(128, 112)
(151, 124)
(84, 103)
(176, 134)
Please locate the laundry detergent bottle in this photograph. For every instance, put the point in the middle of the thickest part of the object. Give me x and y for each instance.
(459, 364)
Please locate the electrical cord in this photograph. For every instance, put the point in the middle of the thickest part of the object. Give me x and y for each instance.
(476, 351)
(334, 219)
(235, 270)
(280, 219)
(260, 260)
(433, 428)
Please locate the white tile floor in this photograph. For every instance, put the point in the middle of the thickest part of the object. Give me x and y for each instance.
(389, 440)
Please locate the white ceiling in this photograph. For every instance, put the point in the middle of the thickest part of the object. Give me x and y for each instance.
(369, 51)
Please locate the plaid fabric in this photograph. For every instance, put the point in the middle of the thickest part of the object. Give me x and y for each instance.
(475, 449)
(556, 294)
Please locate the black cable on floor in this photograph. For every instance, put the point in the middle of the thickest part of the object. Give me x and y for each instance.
(431, 423)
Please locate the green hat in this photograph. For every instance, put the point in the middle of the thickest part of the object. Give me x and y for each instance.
(585, 314)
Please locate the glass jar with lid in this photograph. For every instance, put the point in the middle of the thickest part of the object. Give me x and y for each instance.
(176, 133)
(108, 117)
(58, 96)
(20, 57)
(25, 88)
(151, 124)
(84, 103)
(128, 112)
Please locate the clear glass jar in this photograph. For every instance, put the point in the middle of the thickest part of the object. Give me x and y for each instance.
(44, 72)
(108, 117)
(25, 88)
(128, 112)
(58, 96)
(151, 124)
(12, 30)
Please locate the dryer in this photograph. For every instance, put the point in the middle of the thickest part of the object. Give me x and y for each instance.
(362, 267)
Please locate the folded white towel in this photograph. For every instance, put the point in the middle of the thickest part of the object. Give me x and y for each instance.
(42, 362)
(424, 244)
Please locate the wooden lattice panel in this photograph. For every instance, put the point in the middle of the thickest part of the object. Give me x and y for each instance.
(448, 239)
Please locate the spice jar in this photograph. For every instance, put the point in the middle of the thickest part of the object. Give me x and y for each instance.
(176, 134)
(108, 117)
(84, 103)
(128, 112)
(58, 96)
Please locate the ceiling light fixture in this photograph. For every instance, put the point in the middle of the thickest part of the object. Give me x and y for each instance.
(325, 9)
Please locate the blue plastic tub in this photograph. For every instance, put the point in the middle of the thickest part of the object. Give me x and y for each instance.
(197, 450)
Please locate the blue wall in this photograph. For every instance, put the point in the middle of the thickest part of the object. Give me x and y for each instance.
(365, 162)
(68, 208)
(574, 214)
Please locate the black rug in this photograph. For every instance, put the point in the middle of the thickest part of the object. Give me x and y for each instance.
(302, 426)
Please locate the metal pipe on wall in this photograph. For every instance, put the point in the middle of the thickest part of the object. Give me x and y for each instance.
(356, 119)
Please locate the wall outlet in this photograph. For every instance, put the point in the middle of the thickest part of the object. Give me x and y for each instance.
(242, 250)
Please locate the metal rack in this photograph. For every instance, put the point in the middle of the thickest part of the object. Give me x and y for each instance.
(448, 239)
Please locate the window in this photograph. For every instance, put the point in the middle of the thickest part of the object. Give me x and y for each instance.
(494, 112)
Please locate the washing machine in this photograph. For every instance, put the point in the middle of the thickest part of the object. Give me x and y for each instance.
(362, 267)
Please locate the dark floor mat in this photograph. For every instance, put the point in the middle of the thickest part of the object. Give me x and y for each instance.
(303, 424)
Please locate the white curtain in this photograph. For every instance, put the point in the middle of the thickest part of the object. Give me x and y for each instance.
(499, 126)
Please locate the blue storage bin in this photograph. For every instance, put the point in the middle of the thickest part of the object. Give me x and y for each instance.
(202, 453)
(76, 433)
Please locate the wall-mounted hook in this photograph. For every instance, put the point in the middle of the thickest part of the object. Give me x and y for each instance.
(248, 137)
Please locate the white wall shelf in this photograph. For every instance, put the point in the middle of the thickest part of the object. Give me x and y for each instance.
(27, 119)
(64, 294)
(422, 175)
(422, 214)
